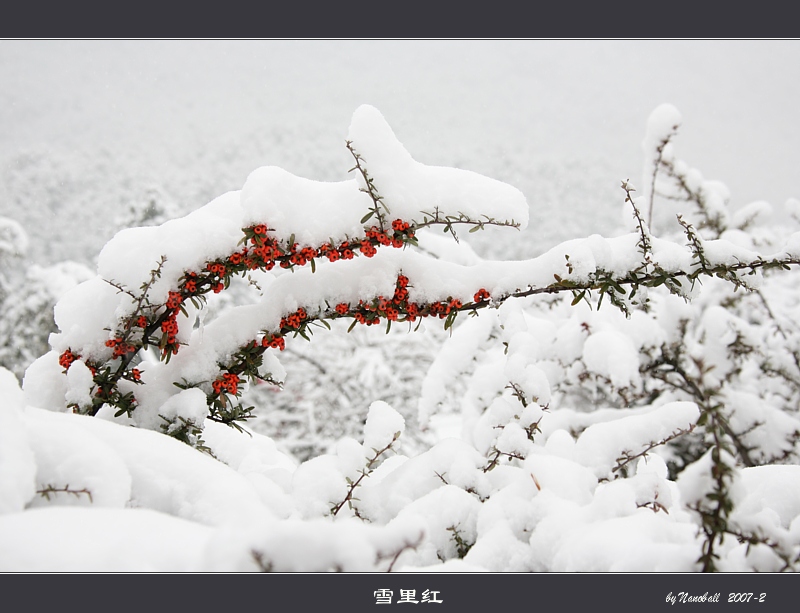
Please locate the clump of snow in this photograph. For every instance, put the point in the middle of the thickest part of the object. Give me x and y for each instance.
(792, 207)
(409, 187)
(314, 212)
(79, 385)
(384, 425)
(70, 458)
(14, 240)
(697, 480)
(611, 354)
(210, 232)
(44, 384)
(313, 545)
(449, 516)
(770, 487)
(602, 444)
(565, 478)
(84, 315)
(643, 542)
(753, 213)
(318, 486)
(450, 461)
(171, 477)
(454, 357)
(662, 125)
(17, 460)
(187, 406)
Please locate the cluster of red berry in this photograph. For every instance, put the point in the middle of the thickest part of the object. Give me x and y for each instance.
(274, 341)
(295, 320)
(66, 359)
(215, 279)
(228, 382)
(399, 308)
(334, 254)
(443, 309)
(174, 301)
(481, 295)
(120, 347)
(169, 326)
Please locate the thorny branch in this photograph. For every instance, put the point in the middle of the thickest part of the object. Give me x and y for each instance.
(370, 190)
(366, 471)
(627, 457)
(49, 490)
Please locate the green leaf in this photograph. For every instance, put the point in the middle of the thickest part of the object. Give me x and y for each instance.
(475, 229)
(367, 216)
(352, 325)
(313, 266)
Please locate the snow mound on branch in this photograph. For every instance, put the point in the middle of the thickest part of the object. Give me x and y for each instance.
(773, 488)
(454, 358)
(316, 545)
(210, 232)
(171, 477)
(409, 187)
(189, 405)
(383, 426)
(601, 445)
(612, 354)
(315, 212)
(449, 462)
(68, 456)
(449, 515)
(662, 124)
(644, 542)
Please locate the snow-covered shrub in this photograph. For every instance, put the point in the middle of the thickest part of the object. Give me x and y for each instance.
(615, 404)
(28, 293)
(27, 320)
(13, 245)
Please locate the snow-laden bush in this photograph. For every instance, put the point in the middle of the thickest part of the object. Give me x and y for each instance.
(28, 293)
(658, 432)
